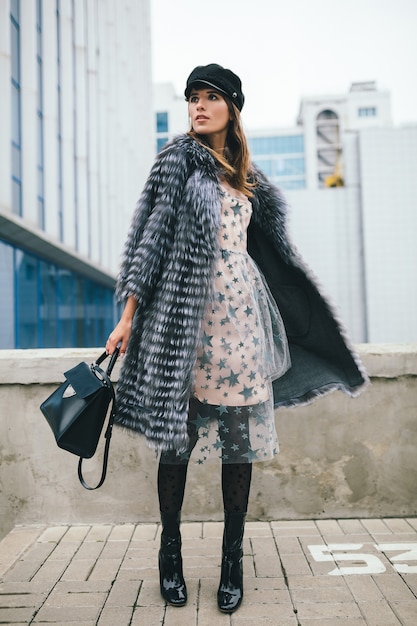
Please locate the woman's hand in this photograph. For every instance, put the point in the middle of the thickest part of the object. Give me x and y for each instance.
(121, 333)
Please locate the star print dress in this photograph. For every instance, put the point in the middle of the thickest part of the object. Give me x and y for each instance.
(243, 349)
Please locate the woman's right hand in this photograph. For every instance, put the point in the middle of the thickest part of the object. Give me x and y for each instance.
(122, 331)
(120, 334)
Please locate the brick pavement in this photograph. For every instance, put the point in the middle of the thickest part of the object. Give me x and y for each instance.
(301, 573)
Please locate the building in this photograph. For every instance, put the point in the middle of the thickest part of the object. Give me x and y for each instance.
(76, 143)
(351, 181)
(171, 117)
(354, 214)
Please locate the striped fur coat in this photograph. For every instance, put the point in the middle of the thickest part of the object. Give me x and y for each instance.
(168, 266)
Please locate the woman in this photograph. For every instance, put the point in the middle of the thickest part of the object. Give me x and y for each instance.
(208, 271)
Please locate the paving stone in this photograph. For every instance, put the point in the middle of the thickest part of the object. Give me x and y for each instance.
(329, 527)
(406, 611)
(76, 534)
(259, 612)
(83, 586)
(312, 582)
(64, 551)
(399, 526)
(209, 615)
(105, 569)
(99, 532)
(106, 575)
(328, 610)
(63, 622)
(124, 593)
(112, 616)
(149, 593)
(412, 521)
(213, 529)
(121, 532)
(291, 529)
(295, 565)
(192, 530)
(89, 550)
(52, 534)
(59, 615)
(267, 566)
(364, 588)
(179, 616)
(275, 619)
(394, 589)
(337, 593)
(376, 527)
(21, 600)
(21, 588)
(149, 616)
(351, 526)
(357, 621)
(208, 547)
(379, 613)
(51, 570)
(145, 532)
(289, 545)
(263, 546)
(72, 599)
(258, 529)
(114, 550)
(10, 616)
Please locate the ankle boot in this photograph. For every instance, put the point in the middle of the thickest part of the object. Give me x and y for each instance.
(171, 579)
(230, 592)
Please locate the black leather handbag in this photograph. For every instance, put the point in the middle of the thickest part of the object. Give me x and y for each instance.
(77, 410)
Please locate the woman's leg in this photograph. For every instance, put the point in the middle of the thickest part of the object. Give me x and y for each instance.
(236, 482)
(172, 478)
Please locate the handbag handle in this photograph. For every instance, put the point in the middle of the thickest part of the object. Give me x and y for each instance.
(109, 429)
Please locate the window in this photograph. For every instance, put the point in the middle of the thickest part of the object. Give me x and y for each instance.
(59, 125)
(162, 122)
(40, 163)
(280, 144)
(160, 143)
(367, 112)
(46, 306)
(16, 121)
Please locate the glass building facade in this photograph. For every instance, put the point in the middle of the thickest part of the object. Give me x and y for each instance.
(281, 158)
(56, 187)
(46, 306)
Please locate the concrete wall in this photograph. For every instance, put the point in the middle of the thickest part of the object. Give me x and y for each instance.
(340, 457)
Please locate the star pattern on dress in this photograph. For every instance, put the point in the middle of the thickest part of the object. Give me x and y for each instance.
(233, 364)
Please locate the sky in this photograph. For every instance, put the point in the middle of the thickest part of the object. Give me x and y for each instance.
(284, 50)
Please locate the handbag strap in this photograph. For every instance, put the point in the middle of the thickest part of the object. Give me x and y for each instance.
(109, 429)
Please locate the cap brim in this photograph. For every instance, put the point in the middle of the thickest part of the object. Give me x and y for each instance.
(204, 82)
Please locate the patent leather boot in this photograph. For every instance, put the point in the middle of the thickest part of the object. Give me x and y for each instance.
(230, 592)
(171, 579)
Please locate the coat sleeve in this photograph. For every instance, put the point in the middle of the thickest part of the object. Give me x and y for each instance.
(152, 227)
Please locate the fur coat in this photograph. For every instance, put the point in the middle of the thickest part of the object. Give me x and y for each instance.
(168, 265)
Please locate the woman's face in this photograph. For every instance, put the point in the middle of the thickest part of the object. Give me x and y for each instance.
(209, 115)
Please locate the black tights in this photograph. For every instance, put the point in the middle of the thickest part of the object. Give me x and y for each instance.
(236, 477)
(236, 480)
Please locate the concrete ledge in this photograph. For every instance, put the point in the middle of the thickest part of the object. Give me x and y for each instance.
(28, 367)
(340, 457)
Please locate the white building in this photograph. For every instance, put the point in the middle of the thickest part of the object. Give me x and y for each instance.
(351, 181)
(76, 143)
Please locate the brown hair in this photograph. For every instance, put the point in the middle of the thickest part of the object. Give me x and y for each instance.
(235, 162)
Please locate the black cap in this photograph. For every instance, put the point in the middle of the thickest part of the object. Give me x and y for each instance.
(220, 78)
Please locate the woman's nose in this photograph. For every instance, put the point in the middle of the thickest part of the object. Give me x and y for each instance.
(200, 104)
